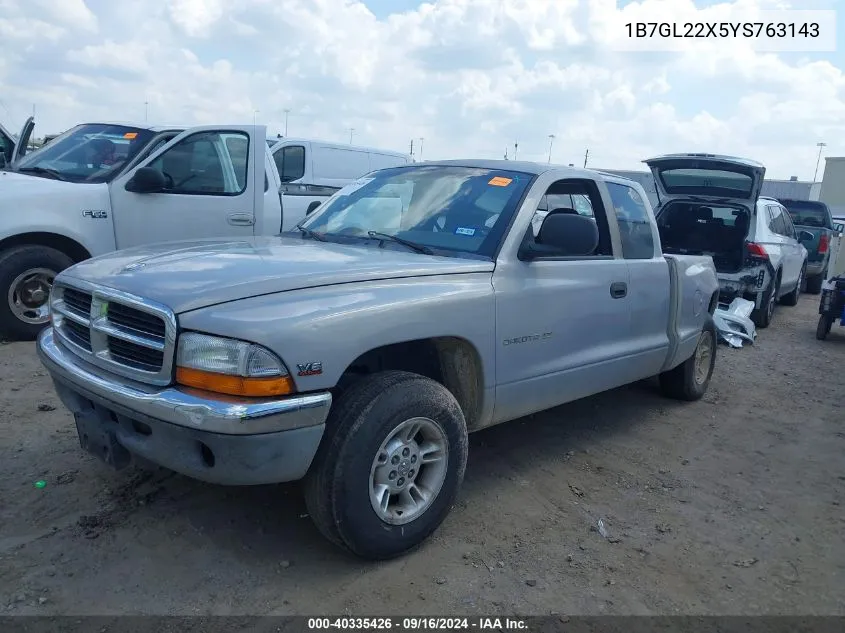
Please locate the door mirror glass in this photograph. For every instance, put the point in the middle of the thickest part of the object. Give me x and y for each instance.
(147, 180)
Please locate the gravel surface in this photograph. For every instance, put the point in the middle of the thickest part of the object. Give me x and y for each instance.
(731, 505)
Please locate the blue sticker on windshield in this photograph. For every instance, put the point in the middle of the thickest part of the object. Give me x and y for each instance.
(464, 231)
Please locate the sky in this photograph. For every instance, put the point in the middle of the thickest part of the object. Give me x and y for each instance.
(463, 78)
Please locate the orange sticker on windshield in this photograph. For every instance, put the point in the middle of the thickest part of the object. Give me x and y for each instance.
(498, 181)
(130, 135)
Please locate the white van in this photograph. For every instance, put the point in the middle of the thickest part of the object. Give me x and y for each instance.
(311, 171)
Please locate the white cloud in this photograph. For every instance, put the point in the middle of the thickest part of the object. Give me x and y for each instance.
(471, 76)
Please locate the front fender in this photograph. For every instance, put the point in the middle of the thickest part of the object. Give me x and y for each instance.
(334, 325)
(59, 209)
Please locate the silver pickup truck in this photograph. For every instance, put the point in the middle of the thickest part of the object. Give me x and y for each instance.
(416, 305)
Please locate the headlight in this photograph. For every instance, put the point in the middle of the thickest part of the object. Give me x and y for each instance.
(229, 366)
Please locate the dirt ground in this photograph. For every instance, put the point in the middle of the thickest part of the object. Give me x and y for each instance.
(731, 505)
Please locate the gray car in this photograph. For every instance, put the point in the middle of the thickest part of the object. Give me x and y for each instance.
(711, 205)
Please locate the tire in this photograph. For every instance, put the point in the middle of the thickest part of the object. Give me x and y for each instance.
(814, 284)
(762, 316)
(792, 298)
(689, 380)
(339, 483)
(823, 328)
(27, 269)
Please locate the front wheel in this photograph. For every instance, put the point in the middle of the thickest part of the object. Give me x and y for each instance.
(26, 277)
(823, 328)
(390, 465)
(690, 379)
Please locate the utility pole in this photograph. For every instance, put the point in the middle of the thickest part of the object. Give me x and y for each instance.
(586, 155)
(351, 132)
(506, 153)
(287, 112)
(515, 147)
(421, 146)
(818, 160)
(551, 141)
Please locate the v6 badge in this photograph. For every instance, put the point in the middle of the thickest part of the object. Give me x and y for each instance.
(310, 369)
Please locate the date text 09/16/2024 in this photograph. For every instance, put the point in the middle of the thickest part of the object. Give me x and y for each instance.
(418, 623)
(723, 30)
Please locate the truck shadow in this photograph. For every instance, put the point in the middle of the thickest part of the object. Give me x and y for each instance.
(264, 527)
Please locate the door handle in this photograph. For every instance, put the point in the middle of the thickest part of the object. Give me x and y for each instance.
(618, 289)
(240, 219)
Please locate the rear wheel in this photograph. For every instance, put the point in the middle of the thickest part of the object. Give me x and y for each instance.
(762, 316)
(814, 284)
(26, 277)
(390, 465)
(792, 298)
(690, 379)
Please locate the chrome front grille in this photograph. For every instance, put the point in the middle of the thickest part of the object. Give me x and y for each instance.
(119, 332)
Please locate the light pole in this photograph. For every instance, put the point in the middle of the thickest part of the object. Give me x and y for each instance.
(818, 160)
(287, 112)
(146, 109)
(515, 148)
(421, 146)
(254, 112)
(351, 131)
(551, 141)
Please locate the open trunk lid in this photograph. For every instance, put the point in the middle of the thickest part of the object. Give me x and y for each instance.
(707, 177)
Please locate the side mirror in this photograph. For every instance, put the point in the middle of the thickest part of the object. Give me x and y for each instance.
(805, 236)
(312, 207)
(839, 228)
(564, 235)
(147, 180)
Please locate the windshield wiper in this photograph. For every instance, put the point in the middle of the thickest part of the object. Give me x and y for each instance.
(45, 171)
(312, 234)
(417, 247)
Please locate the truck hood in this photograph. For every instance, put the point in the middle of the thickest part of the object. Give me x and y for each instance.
(15, 186)
(188, 275)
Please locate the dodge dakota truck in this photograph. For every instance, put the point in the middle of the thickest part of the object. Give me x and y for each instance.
(418, 304)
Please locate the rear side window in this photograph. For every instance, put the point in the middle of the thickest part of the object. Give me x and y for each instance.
(290, 162)
(776, 221)
(634, 223)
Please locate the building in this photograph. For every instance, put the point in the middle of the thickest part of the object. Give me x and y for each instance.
(833, 185)
(792, 188)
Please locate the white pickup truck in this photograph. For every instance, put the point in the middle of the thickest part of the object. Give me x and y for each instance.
(100, 187)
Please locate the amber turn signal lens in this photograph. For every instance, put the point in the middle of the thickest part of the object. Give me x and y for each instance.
(235, 385)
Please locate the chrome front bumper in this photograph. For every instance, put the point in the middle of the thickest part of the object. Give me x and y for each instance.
(183, 407)
(215, 439)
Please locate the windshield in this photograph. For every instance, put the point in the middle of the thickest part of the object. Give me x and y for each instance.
(87, 153)
(807, 213)
(460, 209)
